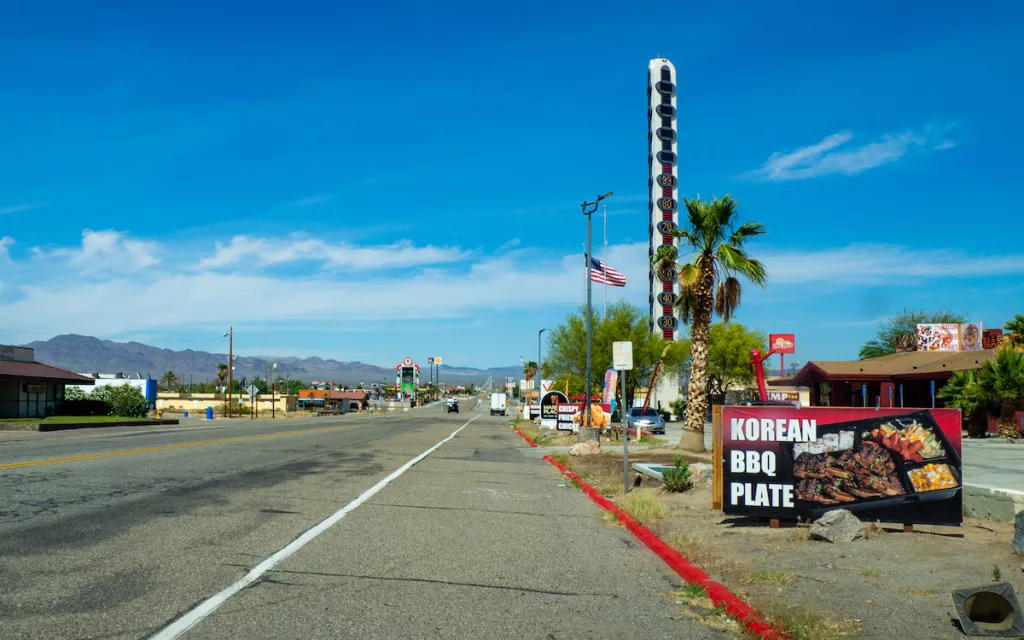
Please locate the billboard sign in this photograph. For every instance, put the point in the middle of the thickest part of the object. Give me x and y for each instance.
(971, 336)
(549, 408)
(888, 465)
(782, 342)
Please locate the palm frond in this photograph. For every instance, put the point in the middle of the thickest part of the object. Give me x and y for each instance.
(727, 298)
(745, 231)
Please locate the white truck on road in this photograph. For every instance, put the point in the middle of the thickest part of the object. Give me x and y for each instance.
(498, 403)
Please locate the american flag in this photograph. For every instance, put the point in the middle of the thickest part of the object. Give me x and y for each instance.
(603, 274)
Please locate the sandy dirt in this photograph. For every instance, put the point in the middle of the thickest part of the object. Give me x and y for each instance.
(890, 585)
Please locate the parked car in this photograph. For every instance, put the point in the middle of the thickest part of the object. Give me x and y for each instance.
(649, 420)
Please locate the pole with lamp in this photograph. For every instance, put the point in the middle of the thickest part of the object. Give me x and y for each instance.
(537, 374)
(273, 388)
(230, 335)
(588, 209)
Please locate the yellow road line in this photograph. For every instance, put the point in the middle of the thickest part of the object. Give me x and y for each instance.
(125, 452)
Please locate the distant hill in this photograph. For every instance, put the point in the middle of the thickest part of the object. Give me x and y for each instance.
(86, 354)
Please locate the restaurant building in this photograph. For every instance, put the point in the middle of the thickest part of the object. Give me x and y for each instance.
(30, 389)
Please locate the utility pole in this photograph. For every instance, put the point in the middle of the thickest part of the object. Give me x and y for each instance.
(231, 363)
(588, 208)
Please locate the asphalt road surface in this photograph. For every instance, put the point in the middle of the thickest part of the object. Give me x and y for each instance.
(142, 533)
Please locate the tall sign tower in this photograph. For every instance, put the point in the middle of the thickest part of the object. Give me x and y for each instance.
(663, 183)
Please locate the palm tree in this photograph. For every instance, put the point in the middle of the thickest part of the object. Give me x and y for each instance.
(1002, 380)
(964, 392)
(222, 374)
(1016, 329)
(530, 370)
(708, 286)
(169, 379)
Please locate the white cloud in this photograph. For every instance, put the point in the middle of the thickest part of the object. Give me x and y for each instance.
(5, 243)
(305, 202)
(343, 255)
(835, 155)
(23, 207)
(103, 250)
(882, 263)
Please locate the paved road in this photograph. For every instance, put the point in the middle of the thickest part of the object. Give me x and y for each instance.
(476, 540)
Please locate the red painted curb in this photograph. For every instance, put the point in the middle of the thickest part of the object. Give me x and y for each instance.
(720, 596)
(524, 437)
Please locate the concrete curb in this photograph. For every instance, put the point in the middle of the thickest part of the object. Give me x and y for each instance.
(524, 437)
(62, 426)
(755, 624)
(992, 503)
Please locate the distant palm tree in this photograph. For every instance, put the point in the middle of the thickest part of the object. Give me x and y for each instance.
(964, 392)
(222, 375)
(1002, 380)
(708, 286)
(1016, 329)
(169, 379)
(530, 370)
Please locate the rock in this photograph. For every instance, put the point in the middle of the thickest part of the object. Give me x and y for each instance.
(1018, 533)
(585, 448)
(701, 472)
(838, 525)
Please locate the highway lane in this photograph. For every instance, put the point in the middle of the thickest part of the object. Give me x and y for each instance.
(474, 540)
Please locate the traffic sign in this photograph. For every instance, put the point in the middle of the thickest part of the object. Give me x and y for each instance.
(622, 355)
(253, 391)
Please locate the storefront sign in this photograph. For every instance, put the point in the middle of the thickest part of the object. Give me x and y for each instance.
(784, 396)
(889, 465)
(549, 408)
(990, 338)
(35, 388)
(782, 342)
(566, 414)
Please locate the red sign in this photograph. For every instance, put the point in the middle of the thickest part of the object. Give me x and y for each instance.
(889, 465)
(782, 342)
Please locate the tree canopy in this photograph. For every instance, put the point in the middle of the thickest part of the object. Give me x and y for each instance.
(902, 324)
(567, 349)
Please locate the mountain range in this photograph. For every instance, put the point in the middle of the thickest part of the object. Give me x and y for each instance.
(86, 354)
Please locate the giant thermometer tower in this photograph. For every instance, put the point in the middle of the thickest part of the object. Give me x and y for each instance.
(663, 183)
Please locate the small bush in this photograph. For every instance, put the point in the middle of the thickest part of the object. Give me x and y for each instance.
(677, 478)
(75, 393)
(127, 401)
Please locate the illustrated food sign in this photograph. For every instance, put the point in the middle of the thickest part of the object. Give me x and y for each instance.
(887, 465)
(570, 416)
(782, 342)
(950, 337)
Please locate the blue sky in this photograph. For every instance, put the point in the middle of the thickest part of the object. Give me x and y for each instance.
(405, 178)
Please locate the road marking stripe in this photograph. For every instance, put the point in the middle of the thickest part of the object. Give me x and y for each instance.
(208, 606)
(185, 445)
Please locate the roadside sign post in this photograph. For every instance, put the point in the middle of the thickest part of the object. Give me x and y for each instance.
(253, 392)
(622, 360)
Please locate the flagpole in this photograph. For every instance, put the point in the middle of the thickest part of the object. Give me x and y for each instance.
(605, 313)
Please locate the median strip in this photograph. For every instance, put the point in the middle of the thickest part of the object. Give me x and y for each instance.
(755, 624)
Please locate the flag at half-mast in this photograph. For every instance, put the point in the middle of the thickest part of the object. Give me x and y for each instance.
(603, 274)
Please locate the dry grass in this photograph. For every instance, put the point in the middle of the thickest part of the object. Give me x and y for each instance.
(804, 623)
(768, 576)
(644, 506)
(871, 573)
(699, 608)
(700, 552)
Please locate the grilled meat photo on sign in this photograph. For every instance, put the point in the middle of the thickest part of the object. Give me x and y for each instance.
(869, 473)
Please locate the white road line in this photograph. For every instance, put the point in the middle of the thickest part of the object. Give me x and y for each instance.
(208, 606)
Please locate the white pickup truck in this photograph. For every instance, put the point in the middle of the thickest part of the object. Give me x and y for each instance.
(498, 404)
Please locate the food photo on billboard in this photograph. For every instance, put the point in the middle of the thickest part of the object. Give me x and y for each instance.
(884, 465)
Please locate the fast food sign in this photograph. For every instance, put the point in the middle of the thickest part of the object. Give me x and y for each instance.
(887, 465)
(782, 342)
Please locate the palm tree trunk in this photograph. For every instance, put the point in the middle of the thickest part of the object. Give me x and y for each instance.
(1008, 420)
(697, 394)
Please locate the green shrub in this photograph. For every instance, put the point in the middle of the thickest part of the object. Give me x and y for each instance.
(677, 478)
(127, 401)
(75, 393)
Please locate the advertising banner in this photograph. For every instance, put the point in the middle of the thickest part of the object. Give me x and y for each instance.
(611, 379)
(566, 414)
(549, 408)
(782, 342)
(886, 465)
(971, 336)
(938, 337)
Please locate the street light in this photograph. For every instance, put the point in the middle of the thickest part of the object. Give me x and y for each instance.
(588, 208)
(536, 375)
(230, 335)
(273, 393)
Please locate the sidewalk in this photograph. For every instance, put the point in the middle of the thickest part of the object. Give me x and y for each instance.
(993, 479)
(477, 540)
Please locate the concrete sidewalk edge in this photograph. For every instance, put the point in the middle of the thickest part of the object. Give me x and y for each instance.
(992, 503)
